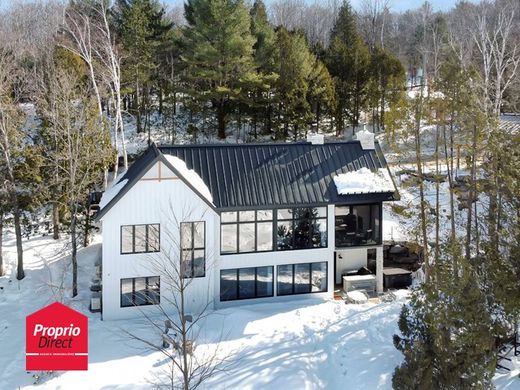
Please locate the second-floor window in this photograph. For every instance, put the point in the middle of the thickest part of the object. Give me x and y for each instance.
(246, 231)
(140, 238)
(193, 249)
(301, 228)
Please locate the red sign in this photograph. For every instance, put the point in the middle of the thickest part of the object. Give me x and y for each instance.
(56, 339)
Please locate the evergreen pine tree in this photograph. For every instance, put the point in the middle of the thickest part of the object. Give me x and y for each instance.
(348, 61)
(144, 32)
(219, 55)
(447, 333)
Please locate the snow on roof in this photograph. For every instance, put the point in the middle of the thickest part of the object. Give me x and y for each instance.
(190, 175)
(111, 193)
(364, 181)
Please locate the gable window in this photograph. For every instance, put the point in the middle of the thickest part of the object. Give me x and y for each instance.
(140, 291)
(301, 228)
(246, 231)
(302, 278)
(246, 283)
(140, 238)
(193, 248)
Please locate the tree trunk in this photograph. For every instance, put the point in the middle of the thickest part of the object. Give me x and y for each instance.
(20, 274)
(55, 221)
(221, 119)
(74, 253)
(87, 228)
(471, 193)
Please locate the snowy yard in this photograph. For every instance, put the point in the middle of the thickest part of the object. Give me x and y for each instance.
(311, 344)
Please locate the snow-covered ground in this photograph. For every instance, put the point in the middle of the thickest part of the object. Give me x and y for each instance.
(311, 344)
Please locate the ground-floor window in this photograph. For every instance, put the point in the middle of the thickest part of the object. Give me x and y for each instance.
(246, 283)
(302, 278)
(140, 291)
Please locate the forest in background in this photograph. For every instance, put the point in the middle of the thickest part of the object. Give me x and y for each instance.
(279, 73)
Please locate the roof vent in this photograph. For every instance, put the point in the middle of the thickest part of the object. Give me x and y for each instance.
(366, 138)
(316, 139)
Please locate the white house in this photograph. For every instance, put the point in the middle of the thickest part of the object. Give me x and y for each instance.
(259, 222)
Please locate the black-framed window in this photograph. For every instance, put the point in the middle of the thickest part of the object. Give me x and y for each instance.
(140, 291)
(140, 238)
(358, 225)
(193, 249)
(246, 283)
(301, 228)
(246, 231)
(302, 278)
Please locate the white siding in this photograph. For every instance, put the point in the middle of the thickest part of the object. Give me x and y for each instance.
(148, 202)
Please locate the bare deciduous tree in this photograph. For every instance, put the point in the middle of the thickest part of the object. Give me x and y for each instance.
(177, 323)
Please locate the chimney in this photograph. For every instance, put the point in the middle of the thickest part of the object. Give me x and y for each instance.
(316, 139)
(366, 138)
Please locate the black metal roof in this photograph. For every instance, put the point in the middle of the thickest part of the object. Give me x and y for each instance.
(278, 174)
(265, 175)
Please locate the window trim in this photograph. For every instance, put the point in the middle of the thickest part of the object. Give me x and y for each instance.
(237, 273)
(133, 252)
(148, 303)
(193, 248)
(310, 278)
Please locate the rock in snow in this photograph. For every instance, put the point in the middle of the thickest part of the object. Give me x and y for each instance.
(191, 176)
(364, 181)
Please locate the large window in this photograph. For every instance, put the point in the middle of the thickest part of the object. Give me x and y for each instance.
(140, 238)
(358, 225)
(302, 278)
(301, 228)
(246, 231)
(193, 256)
(140, 291)
(246, 283)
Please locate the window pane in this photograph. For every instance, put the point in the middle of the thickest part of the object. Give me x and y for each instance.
(228, 216)
(186, 263)
(320, 212)
(319, 277)
(264, 236)
(285, 279)
(246, 216)
(302, 278)
(140, 238)
(140, 291)
(264, 215)
(246, 283)
(199, 263)
(228, 284)
(153, 238)
(228, 238)
(302, 228)
(285, 214)
(198, 235)
(154, 293)
(247, 237)
(126, 292)
(284, 232)
(319, 233)
(126, 239)
(186, 242)
(264, 281)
